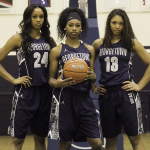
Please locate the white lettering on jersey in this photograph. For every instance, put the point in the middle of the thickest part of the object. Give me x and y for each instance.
(40, 46)
(113, 51)
(83, 56)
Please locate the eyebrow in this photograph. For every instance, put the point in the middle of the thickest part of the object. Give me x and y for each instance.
(73, 23)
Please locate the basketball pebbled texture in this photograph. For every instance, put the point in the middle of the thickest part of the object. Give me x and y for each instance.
(75, 68)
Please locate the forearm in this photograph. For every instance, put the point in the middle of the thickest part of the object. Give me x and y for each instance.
(4, 74)
(52, 82)
(145, 79)
(92, 81)
(93, 87)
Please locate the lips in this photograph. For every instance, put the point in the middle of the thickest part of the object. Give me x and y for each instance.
(73, 32)
(38, 24)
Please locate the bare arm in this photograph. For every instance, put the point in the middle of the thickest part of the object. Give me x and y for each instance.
(143, 54)
(53, 80)
(96, 45)
(13, 42)
(97, 90)
(91, 75)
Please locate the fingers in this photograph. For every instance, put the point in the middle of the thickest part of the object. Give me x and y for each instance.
(68, 82)
(99, 90)
(129, 87)
(25, 81)
(90, 74)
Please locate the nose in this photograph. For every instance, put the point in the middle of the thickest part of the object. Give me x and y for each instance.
(38, 19)
(74, 27)
(117, 26)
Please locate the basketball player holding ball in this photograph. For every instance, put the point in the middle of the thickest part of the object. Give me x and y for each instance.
(32, 94)
(73, 114)
(119, 101)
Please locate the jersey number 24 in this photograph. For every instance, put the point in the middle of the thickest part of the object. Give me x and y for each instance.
(44, 60)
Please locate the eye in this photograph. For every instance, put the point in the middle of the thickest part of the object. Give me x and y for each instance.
(121, 23)
(34, 17)
(78, 26)
(41, 17)
(70, 25)
(114, 22)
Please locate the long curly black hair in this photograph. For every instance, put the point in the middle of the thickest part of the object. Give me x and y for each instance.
(62, 22)
(26, 26)
(127, 33)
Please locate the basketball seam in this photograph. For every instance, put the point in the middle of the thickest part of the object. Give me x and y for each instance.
(76, 62)
(75, 72)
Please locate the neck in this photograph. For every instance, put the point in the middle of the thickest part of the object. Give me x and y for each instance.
(73, 42)
(116, 38)
(35, 34)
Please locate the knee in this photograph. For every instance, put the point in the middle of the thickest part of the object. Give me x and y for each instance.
(97, 146)
(65, 145)
(17, 141)
(135, 140)
(39, 140)
(111, 141)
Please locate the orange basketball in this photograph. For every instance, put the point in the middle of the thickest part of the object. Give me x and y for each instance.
(76, 68)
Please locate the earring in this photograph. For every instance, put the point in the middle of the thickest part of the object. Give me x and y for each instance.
(81, 30)
(64, 28)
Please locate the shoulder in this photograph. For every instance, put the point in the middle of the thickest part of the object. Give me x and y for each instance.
(56, 50)
(16, 40)
(136, 45)
(89, 47)
(97, 43)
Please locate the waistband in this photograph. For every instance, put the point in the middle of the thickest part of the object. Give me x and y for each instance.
(113, 87)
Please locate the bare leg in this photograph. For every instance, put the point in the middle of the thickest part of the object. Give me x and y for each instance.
(39, 143)
(95, 143)
(111, 143)
(65, 145)
(16, 144)
(136, 142)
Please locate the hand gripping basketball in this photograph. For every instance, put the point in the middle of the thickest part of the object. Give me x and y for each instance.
(76, 68)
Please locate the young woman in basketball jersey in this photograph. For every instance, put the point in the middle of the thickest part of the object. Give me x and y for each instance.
(119, 101)
(32, 96)
(73, 115)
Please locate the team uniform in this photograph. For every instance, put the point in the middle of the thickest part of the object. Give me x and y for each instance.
(118, 107)
(31, 105)
(45, 3)
(73, 114)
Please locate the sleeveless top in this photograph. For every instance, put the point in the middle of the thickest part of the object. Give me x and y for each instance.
(36, 64)
(115, 64)
(67, 53)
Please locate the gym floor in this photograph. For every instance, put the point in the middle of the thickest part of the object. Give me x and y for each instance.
(29, 142)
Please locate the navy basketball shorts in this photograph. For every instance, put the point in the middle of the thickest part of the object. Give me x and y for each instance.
(117, 108)
(73, 116)
(30, 107)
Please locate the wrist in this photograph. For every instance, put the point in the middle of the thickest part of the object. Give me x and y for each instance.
(13, 81)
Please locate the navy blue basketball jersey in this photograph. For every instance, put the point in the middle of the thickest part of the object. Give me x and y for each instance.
(82, 52)
(115, 64)
(35, 64)
(45, 3)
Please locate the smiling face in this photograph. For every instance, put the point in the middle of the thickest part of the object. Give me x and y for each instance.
(116, 24)
(73, 28)
(37, 18)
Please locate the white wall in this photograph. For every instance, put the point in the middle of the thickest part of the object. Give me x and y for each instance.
(140, 20)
